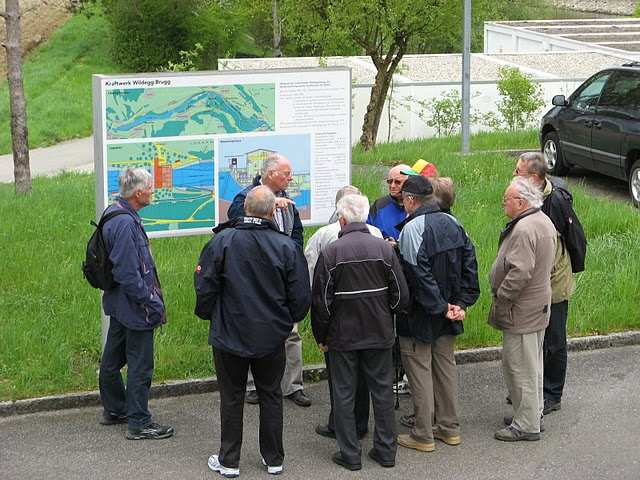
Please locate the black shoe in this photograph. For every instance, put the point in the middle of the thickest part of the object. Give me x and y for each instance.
(551, 406)
(252, 397)
(508, 399)
(112, 419)
(325, 431)
(509, 420)
(299, 398)
(373, 455)
(153, 431)
(337, 459)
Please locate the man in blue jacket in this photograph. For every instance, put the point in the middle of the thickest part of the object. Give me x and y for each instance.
(252, 283)
(276, 174)
(440, 265)
(135, 307)
(388, 211)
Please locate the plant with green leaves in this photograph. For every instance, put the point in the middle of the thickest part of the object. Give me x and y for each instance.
(188, 60)
(520, 99)
(382, 29)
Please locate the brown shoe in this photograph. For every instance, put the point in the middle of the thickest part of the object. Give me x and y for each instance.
(409, 442)
(448, 439)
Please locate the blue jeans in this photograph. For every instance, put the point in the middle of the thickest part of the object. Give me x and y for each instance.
(133, 348)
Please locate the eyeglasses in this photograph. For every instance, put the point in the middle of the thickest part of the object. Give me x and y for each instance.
(394, 181)
(506, 199)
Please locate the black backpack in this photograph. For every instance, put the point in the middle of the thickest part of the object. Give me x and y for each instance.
(573, 233)
(97, 266)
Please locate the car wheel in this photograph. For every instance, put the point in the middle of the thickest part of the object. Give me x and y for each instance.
(634, 184)
(553, 155)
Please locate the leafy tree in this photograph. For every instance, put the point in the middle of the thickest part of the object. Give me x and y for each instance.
(520, 98)
(382, 29)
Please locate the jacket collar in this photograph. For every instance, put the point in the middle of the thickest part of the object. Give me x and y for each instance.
(430, 207)
(247, 223)
(124, 204)
(353, 227)
(510, 226)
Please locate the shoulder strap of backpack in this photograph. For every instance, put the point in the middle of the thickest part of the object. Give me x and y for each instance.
(106, 217)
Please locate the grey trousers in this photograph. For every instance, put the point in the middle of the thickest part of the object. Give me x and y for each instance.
(292, 378)
(522, 367)
(432, 374)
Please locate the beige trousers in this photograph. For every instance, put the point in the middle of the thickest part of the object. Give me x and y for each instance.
(522, 367)
(431, 370)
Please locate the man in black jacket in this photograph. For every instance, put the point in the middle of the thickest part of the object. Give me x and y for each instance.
(357, 285)
(440, 266)
(252, 283)
(277, 173)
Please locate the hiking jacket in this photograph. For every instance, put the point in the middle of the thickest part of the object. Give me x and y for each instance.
(520, 275)
(136, 302)
(292, 224)
(439, 263)
(386, 214)
(357, 285)
(252, 284)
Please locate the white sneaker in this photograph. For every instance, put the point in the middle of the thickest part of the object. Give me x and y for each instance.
(272, 470)
(402, 389)
(216, 466)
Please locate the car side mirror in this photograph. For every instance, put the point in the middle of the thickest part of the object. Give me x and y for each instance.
(559, 101)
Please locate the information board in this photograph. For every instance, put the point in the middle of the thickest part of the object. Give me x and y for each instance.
(204, 136)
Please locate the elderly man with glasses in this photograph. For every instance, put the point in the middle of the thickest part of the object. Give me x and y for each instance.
(388, 211)
(521, 301)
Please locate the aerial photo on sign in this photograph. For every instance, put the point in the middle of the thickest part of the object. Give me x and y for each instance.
(179, 111)
(241, 161)
(183, 181)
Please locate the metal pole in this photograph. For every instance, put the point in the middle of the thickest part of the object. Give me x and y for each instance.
(466, 77)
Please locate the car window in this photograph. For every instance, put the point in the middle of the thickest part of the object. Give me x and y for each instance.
(622, 93)
(586, 98)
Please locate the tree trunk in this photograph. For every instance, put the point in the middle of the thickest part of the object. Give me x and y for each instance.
(277, 29)
(18, 103)
(375, 107)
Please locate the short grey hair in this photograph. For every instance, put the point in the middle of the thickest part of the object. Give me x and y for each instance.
(444, 192)
(353, 208)
(347, 190)
(132, 180)
(260, 202)
(528, 190)
(535, 163)
(271, 163)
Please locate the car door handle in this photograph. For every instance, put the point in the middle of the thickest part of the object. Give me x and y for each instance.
(596, 124)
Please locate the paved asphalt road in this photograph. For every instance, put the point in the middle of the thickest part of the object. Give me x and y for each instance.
(595, 436)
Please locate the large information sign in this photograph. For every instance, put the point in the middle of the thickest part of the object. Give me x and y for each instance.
(204, 137)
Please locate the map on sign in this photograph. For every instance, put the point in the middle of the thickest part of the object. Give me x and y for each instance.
(171, 112)
(183, 180)
(241, 159)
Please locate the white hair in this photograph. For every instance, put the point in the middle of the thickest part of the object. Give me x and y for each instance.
(353, 208)
(132, 180)
(528, 190)
(271, 163)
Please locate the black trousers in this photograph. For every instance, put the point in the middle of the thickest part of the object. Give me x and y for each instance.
(133, 348)
(555, 352)
(376, 366)
(361, 408)
(267, 373)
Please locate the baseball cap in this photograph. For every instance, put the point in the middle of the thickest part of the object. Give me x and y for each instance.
(418, 185)
(421, 167)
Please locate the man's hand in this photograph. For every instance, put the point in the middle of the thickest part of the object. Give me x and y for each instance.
(283, 202)
(323, 348)
(391, 242)
(454, 312)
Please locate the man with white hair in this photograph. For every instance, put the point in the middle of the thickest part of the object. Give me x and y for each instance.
(316, 244)
(520, 307)
(358, 284)
(276, 174)
(135, 308)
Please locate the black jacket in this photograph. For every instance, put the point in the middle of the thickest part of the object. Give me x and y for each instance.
(252, 282)
(292, 224)
(439, 263)
(357, 284)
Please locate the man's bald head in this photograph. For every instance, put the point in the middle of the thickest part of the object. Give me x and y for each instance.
(260, 202)
(395, 180)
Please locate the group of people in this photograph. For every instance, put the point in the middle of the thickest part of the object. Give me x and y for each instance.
(403, 270)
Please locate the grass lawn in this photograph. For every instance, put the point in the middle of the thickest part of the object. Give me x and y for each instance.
(50, 317)
(57, 81)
